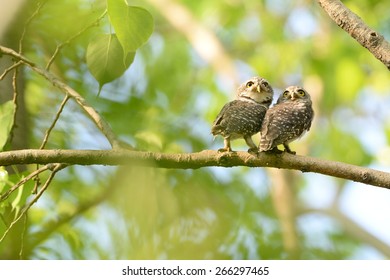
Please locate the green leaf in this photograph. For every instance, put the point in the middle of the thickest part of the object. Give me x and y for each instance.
(133, 25)
(106, 59)
(7, 111)
(3, 178)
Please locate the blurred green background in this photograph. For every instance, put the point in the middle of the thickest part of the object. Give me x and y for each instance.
(198, 54)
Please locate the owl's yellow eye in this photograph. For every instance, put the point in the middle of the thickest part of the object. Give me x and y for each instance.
(285, 94)
(301, 92)
(249, 84)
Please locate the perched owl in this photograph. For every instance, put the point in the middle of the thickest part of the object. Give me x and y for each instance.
(288, 120)
(243, 117)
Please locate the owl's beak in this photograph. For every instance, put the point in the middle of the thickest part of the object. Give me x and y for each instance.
(258, 88)
(293, 96)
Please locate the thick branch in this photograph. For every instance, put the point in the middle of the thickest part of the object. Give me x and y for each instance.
(354, 26)
(198, 160)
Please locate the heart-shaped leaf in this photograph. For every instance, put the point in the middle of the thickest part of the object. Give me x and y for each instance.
(133, 25)
(106, 59)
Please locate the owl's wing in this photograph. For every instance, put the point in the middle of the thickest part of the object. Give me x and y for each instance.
(300, 121)
(268, 131)
(221, 121)
(310, 116)
(277, 124)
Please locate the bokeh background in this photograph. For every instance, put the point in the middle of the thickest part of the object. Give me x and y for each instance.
(198, 54)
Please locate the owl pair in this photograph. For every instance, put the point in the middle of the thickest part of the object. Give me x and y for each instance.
(249, 114)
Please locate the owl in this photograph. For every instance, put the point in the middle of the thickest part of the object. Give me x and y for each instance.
(288, 120)
(243, 117)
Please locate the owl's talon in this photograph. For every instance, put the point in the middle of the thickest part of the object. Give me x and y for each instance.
(290, 152)
(223, 150)
(253, 151)
(274, 150)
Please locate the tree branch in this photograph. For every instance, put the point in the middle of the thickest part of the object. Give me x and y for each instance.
(205, 158)
(354, 26)
(30, 176)
(57, 168)
(103, 126)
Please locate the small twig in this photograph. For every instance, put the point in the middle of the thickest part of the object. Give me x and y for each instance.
(47, 134)
(56, 118)
(37, 180)
(63, 44)
(15, 101)
(29, 20)
(57, 168)
(102, 125)
(15, 87)
(30, 176)
(9, 69)
(16, 55)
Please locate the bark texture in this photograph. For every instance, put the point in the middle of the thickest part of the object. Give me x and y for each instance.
(205, 158)
(355, 26)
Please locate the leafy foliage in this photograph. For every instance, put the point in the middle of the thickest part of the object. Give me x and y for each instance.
(134, 25)
(6, 119)
(106, 59)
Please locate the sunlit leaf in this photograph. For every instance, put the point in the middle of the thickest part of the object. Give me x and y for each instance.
(133, 25)
(3, 177)
(6, 120)
(106, 59)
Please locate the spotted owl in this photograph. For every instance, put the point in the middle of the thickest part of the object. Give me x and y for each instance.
(243, 117)
(288, 120)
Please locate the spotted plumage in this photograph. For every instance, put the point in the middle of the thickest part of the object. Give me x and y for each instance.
(243, 117)
(288, 120)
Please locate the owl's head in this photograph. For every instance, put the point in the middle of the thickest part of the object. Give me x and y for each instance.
(256, 89)
(293, 93)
